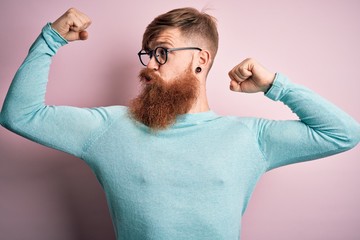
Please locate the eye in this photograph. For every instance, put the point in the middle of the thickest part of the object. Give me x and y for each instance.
(161, 52)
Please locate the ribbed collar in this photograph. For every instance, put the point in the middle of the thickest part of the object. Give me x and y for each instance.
(195, 118)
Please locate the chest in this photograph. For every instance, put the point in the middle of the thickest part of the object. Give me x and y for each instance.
(178, 159)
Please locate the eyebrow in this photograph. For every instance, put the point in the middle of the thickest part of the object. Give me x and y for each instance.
(158, 44)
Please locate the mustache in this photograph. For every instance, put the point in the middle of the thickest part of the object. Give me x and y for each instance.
(146, 75)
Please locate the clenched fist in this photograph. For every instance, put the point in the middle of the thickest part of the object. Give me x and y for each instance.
(72, 25)
(250, 77)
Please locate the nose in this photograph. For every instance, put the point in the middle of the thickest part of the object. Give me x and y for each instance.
(153, 64)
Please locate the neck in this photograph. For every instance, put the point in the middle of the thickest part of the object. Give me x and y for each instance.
(201, 104)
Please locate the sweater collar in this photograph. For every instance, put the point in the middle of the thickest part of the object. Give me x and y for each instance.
(195, 118)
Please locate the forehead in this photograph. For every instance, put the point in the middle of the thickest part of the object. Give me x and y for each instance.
(169, 37)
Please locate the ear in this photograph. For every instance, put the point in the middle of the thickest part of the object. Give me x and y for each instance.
(204, 59)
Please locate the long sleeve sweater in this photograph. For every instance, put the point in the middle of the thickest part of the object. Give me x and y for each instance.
(190, 181)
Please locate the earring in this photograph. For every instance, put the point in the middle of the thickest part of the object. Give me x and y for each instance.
(198, 69)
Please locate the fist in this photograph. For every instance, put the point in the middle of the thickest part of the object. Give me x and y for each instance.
(250, 77)
(72, 25)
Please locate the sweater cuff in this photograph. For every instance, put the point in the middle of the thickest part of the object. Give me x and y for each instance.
(52, 38)
(278, 88)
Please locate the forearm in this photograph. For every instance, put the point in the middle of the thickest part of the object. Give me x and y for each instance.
(26, 94)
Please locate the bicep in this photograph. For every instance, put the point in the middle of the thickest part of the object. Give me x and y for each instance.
(291, 141)
(64, 128)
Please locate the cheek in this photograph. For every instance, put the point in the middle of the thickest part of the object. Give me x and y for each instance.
(169, 73)
(172, 70)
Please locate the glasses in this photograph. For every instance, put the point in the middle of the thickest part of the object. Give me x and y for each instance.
(160, 54)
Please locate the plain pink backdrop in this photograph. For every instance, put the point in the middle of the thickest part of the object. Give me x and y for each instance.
(46, 194)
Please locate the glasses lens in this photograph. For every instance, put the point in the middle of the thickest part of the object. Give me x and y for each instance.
(161, 55)
(144, 57)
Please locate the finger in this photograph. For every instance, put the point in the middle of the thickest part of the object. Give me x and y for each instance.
(77, 20)
(243, 72)
(84, 20)
(234, 76)
(77, 30)
(235, 86)
(78, 24)
(240, 72)
(83, 35)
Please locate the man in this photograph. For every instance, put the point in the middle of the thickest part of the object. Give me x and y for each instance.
(170, 167)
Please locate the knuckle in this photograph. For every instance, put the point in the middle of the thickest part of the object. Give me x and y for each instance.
(72, 10)
(249, 60)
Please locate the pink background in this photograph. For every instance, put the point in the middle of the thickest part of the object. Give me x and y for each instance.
(47, 194)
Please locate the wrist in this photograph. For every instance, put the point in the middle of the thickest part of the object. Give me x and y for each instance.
(270, 81)
(52, 38)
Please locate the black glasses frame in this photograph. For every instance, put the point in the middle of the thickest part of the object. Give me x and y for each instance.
(150, 53)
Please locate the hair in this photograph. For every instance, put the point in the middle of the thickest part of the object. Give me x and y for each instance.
(191, 23)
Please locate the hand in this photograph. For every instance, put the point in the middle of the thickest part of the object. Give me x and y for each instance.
(72, 25)
(250, 77)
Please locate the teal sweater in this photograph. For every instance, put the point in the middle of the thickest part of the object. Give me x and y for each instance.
(191, 181)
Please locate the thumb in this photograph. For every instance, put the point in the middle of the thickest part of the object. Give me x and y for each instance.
(83, 35)
(75, 35)
(235, 86)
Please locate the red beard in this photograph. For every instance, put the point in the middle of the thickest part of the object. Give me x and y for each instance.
(160, 102)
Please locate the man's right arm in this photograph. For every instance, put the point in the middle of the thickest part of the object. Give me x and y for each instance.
(24, 111)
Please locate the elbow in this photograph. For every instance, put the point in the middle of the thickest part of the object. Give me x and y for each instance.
(350, 137)
(18, 119)
(7, 121)
(355, 138)
(10, 120)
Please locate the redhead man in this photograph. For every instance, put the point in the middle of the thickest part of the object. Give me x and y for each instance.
(170, 167)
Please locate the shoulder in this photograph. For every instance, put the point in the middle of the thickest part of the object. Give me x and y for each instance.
(112, 112)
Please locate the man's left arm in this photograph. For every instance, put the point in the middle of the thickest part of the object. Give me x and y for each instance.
(323, 128)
